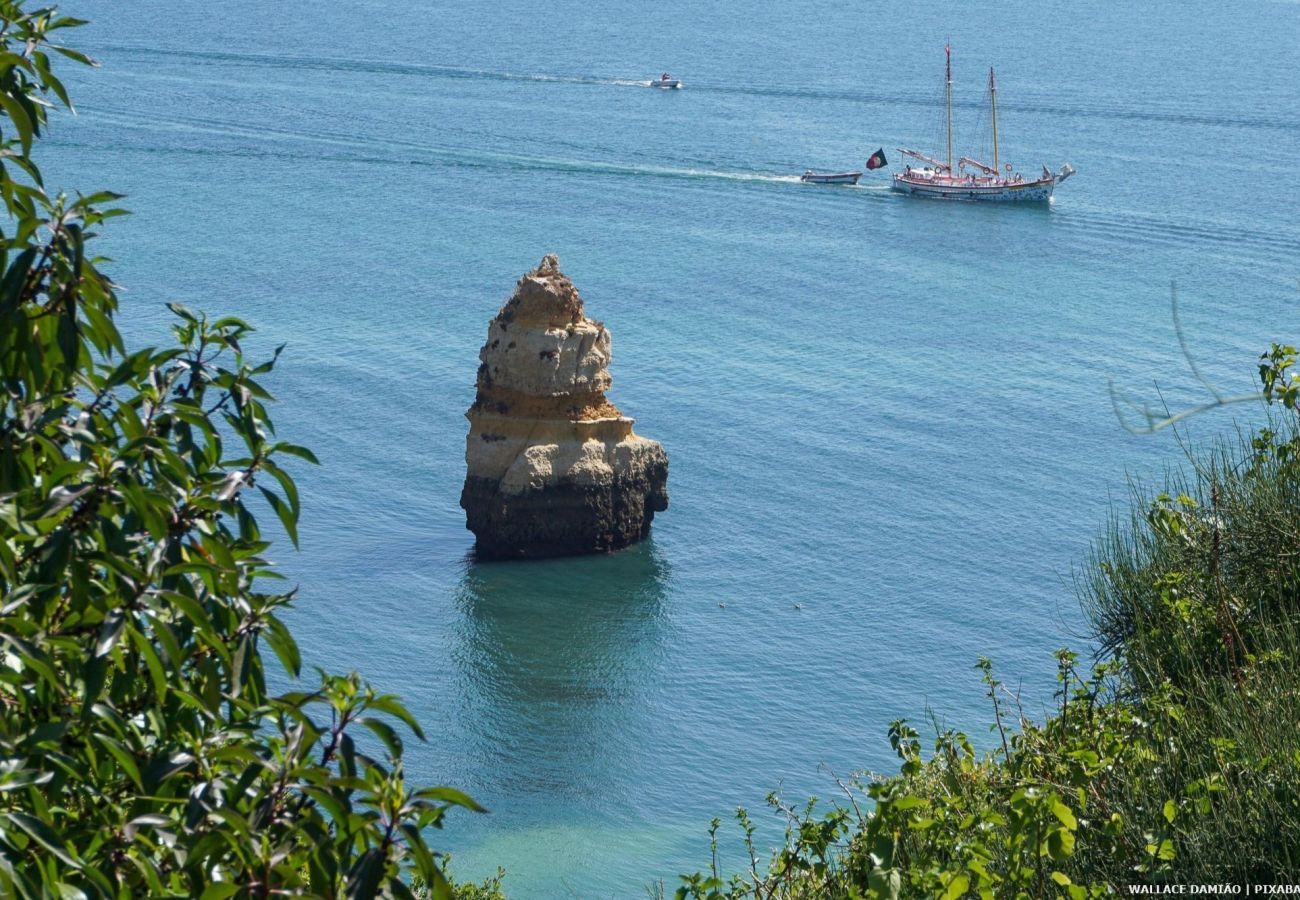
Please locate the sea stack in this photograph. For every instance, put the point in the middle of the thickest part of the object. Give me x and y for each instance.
(553, 467)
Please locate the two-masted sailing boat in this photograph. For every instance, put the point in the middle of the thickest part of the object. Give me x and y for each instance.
(972, 179)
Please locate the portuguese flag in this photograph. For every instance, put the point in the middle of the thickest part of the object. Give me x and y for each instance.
(878, 160)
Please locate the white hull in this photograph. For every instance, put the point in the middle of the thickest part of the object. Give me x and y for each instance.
(1038, 192)
(973, 180)
(938, 186)
(666, 85)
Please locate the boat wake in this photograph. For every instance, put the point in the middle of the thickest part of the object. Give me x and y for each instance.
(1051, 106)
(302, 144)
(370, 67)
(272, 142)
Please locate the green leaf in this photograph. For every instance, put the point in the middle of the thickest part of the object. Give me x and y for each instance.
(122, 756)
(363, 880)
(295, 450)
(241, 664)
(288, 518)
(1065, 814)
(183, 311)
(385, 733)
(61, 498)
(395, 707)
(907, 802)
(441, 888)
(286, 484)
(44, 835)
(424, 862)
(281, 641)
(327, 801)
(1060, 844)
(1170, 811)
(109, 632)
(153, 663)
(450, 795)
(957, 887)
(11, 288)
(38, 661)
(21, 778)
(92, 677)
(18, 115)
(190, 608)
(102, 330)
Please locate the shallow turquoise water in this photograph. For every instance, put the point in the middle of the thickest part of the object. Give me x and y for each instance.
(891, 412)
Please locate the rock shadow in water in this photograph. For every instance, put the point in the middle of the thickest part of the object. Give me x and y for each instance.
(554, 656)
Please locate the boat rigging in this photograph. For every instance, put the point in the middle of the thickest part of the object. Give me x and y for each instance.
(937, 179)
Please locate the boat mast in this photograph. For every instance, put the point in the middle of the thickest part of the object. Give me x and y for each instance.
(947, 52)
(993, 100)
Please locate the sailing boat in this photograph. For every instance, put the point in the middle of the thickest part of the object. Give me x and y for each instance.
(975, 180)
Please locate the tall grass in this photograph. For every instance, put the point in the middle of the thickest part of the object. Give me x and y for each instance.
(1199, 594)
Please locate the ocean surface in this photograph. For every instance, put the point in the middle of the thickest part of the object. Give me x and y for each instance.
(889, 420)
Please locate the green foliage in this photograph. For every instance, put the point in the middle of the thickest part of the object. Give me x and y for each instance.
(1008, 824)
(141, 752)
(1175, 759)
(487, 889)
(1199, 596)
(1280, 384)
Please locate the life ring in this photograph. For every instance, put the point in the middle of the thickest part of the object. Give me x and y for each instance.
(1008, 167)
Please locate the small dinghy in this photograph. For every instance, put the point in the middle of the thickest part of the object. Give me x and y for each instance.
(666, 81)
(830, 178)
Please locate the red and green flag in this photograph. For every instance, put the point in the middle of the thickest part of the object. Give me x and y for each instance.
(878, 160)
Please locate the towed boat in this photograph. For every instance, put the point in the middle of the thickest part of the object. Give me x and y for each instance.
(812, 177)
(975, 180)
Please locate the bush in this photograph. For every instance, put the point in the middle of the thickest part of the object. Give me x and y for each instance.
(1176, 759)
(141, 752)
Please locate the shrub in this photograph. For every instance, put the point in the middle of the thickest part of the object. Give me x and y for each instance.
(141, 752)
(1177, 759)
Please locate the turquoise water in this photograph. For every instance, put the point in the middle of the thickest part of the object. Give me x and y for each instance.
(892, 413)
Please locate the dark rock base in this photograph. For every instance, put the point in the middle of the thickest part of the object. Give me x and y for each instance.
(564, 520)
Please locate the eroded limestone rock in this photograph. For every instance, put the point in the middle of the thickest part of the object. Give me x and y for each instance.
(553, 467)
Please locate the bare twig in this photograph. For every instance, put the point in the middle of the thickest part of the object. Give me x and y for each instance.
(1156, 420)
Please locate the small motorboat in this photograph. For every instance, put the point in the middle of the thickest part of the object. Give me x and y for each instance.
(830, 177)
(666, 81)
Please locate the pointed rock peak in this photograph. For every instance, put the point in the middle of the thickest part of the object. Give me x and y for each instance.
(552, 467)
(544, 296)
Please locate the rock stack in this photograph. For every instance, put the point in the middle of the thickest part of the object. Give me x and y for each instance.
(554, 468)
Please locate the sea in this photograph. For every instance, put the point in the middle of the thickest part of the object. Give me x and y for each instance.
(895, 426)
